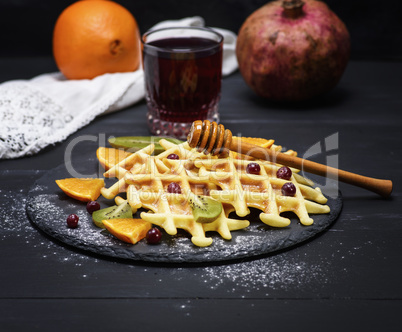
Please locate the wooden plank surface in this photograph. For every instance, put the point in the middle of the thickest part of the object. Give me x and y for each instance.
(349, 275)
(198, 315)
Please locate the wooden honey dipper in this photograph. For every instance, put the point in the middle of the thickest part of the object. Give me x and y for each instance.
(211, 138)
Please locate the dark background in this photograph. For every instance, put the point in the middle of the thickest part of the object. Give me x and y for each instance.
(375, 26)
(346, 279)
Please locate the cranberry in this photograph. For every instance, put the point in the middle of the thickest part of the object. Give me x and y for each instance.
(174, 188)
(154, 236)
(284, 173)
(288, 189)
(92, 207)
(173, 156)
(253, 168)
(72, 221)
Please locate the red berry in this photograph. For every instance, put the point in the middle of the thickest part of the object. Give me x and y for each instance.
(154, 236)
(253, 168)
(173, 156)
(174, 188)
(288, 189)
(284, 173)
(92, 207)
(72, 221)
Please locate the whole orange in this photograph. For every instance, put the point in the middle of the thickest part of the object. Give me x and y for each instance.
(95, 37)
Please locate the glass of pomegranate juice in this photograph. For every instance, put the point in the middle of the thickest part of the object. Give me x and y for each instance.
(183, 71)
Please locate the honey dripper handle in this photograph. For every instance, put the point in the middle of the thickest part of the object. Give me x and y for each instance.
(211, 138)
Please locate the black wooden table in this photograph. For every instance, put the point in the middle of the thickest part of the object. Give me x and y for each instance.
(346, 278)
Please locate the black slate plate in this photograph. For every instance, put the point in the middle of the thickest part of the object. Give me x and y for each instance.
(48, 208)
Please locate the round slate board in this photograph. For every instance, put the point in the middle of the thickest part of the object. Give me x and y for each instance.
(48, 208)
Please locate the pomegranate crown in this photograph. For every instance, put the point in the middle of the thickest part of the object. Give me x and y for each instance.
(292, 8)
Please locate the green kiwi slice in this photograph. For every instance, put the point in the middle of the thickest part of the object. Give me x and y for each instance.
(205, 208)
(135, 143)
(115, 211)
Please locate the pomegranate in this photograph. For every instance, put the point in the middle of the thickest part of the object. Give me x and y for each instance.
(292, 50)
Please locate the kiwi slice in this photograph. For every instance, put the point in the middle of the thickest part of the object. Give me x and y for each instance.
(205, 208)
(135, 143)
(115, 211)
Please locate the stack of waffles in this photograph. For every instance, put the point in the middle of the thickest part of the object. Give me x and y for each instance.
(145, 178)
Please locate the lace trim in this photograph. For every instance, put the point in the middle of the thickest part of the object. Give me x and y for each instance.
(28, 120)
(31, 120)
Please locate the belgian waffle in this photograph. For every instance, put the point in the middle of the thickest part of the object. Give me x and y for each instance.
(146, 187)
(145, 178)
(262, 191)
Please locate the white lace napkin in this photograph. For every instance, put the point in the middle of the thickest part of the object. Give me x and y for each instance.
(48, 108)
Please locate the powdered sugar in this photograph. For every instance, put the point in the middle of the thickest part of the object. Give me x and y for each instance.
(56, 215)
(267, 274)
(274, 272)
(12, 212)
(15, 225)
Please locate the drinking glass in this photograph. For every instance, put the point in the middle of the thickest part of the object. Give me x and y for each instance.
(183, 72)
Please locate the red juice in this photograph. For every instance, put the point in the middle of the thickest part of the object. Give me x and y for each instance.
(183, 77)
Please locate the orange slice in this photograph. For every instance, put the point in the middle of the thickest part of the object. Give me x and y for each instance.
(84, 190)
(129, 230)
(108, 157)
(262, 142)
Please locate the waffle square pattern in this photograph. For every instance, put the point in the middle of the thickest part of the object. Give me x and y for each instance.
(147, 180)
